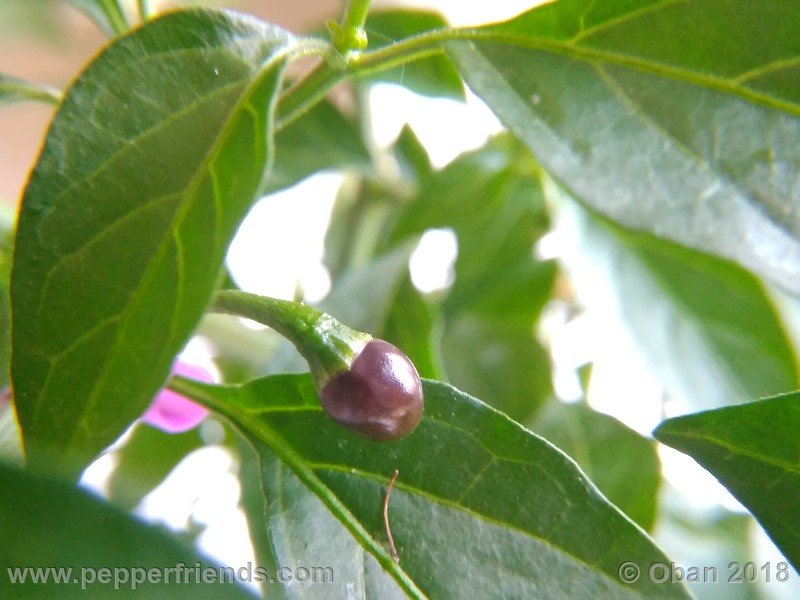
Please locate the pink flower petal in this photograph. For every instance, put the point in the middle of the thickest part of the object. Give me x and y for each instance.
(174, 413)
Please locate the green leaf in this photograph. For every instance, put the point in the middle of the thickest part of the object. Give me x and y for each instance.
(431, 76)
(107, 14)
(6, 250)
(254, 505)
(512, 517)
(46, 524)
(502, 361)
(17, 90)
(468, 191)
(657, 115)
(754, 451)
(304, 532)
(605, 449)
(411, 156)
(356, 231)
(705, 325)
(125, 221)
(145, 460)
(321, 139)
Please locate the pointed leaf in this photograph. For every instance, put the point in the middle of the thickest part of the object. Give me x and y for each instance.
(754, 451)
(126, 220)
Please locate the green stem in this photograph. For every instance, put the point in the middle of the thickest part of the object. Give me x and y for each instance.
(301, 97)
(349, 35)
(328, 346)
(355, 14)
(310, 90)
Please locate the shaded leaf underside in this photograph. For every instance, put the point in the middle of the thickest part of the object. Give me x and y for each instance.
(754, 451)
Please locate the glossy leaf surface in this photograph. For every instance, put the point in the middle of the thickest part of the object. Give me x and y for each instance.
(126, 220)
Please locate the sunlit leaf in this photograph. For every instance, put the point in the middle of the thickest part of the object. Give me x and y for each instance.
(126, 220)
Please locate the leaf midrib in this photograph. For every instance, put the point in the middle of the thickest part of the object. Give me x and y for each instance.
(702, 80)
(286, 454)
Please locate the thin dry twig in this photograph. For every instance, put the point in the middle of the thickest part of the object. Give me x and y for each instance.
(392, 549)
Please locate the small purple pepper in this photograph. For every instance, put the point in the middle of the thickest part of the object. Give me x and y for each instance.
(365, 384)
(379, 397)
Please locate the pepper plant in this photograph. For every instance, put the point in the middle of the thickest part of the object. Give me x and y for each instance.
(662, 136)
